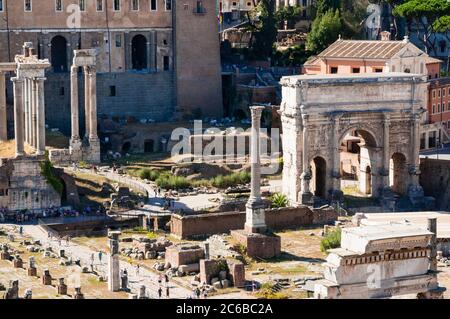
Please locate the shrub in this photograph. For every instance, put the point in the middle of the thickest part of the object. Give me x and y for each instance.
(279, 200)
(149, 174)
(51, 178)
(234, 179)
(331, 240)
(172, 182)
(267, 292)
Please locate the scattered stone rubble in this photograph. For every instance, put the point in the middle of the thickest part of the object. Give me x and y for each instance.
(146, 248)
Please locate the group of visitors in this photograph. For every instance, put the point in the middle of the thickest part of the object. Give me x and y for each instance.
(199, 293)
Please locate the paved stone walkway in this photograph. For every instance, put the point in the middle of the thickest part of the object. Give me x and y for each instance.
(145, 277)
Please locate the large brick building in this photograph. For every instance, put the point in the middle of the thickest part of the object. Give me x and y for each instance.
(156, 58)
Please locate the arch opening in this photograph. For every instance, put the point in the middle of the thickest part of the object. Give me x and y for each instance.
(319, 177)
(398, 174)
(59, 54)
(139, 52)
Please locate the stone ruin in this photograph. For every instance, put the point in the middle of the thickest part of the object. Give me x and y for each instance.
(32, 270)
(12, 292)
(113, 261)
(381, 261)
(46, 278)
(146, 248)
(87, 148)
(222, 273)
(78, 294)
(20, 176)
(62, 287)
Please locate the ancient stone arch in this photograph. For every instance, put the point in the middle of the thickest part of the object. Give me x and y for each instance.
(318, 111)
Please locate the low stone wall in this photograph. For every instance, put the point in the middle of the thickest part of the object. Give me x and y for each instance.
(207, 224)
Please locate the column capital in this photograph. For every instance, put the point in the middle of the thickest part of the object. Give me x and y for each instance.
(17, 80)
(74, 69)
(256, 111)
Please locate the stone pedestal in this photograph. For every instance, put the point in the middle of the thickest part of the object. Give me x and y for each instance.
(78, 294)
(62, 287)
(255, 217)
(18, 262)
(113, 262)
(4, 255)
(13, 290)
(46, 278)
(258, 245)
(32, 272)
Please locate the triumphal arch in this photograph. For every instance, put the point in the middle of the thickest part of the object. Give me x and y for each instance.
(323, 114)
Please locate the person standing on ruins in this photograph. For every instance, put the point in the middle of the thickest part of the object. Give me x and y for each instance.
(167, 292)
(160, 292)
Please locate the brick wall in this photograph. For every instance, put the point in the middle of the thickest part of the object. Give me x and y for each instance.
(435, 180)
(203, 225)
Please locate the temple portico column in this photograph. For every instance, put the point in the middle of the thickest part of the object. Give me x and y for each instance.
(386, 151)
(19, 129)
(415, 161)
(306, 194)
(87, 101)
(74, 104)
(25, 108)
(93, 104)
(40, 106)
(34, 106)
(255, 215)
(3, 114)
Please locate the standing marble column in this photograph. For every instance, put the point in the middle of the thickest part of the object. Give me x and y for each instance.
(87, 101)
(93, 104)
(74, 104)
(19, 129)
(306, 195)
(26, 109)
(34, 105)
(255, 215)
(40, 123)
(386, 152)
(415, 191)
(3, 114)
(113, 262)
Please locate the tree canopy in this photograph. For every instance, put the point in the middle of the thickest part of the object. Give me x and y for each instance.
(324, 31)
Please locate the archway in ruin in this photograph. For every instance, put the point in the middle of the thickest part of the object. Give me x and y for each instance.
(319, 177)
(357, 151)
(139, 52)
(149, 146)
(59, 54)
(398, 174)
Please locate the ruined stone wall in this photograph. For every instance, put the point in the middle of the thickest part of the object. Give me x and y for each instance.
(435, 180)
(203, 225)
(28, 189)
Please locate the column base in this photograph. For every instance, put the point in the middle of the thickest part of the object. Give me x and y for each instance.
(306, 198)
(255, 217)
(416, 194)
(94, 150)
(258, 245)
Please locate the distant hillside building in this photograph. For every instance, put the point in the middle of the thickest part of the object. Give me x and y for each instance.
(156, 58)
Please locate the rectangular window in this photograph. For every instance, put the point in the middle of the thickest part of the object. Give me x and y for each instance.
(439, 93)
(334, 70)
(153, 5)
(433, 109)
(439, 108)
(82, 4)
(112, 90)
(58, 5)
(378, 70)
(1, 5)
(118, 41)
(200, 8)
(443, 92)
(99, 5)
(355, 70)
(61, 91)
(168, 5)
(434, 94)
(28, 6)
(166, 63)
(135, 5)
(116, 5)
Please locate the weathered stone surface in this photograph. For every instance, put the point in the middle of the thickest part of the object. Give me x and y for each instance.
(184, 254)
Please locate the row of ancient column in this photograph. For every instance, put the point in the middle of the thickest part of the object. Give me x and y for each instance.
(90, 103)
(29, 114)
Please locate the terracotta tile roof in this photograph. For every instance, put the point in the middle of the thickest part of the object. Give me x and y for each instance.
(363, 49)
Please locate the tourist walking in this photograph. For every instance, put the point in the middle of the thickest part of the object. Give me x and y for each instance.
(137, 269)
(100, 255)
(167, 292)
(160, 292)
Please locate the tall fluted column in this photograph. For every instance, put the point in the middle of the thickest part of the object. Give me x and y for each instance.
(19, 129)
(74, 104)
(255, 216)
(306, 194)
(40, 101)
(34, 106)
(26, 109)
(93, 104)
(87, 101)
(3, 114)
(386, 151)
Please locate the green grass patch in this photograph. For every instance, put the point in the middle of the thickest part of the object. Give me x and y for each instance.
(234, 179)
(331, 240)
(47, 171)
